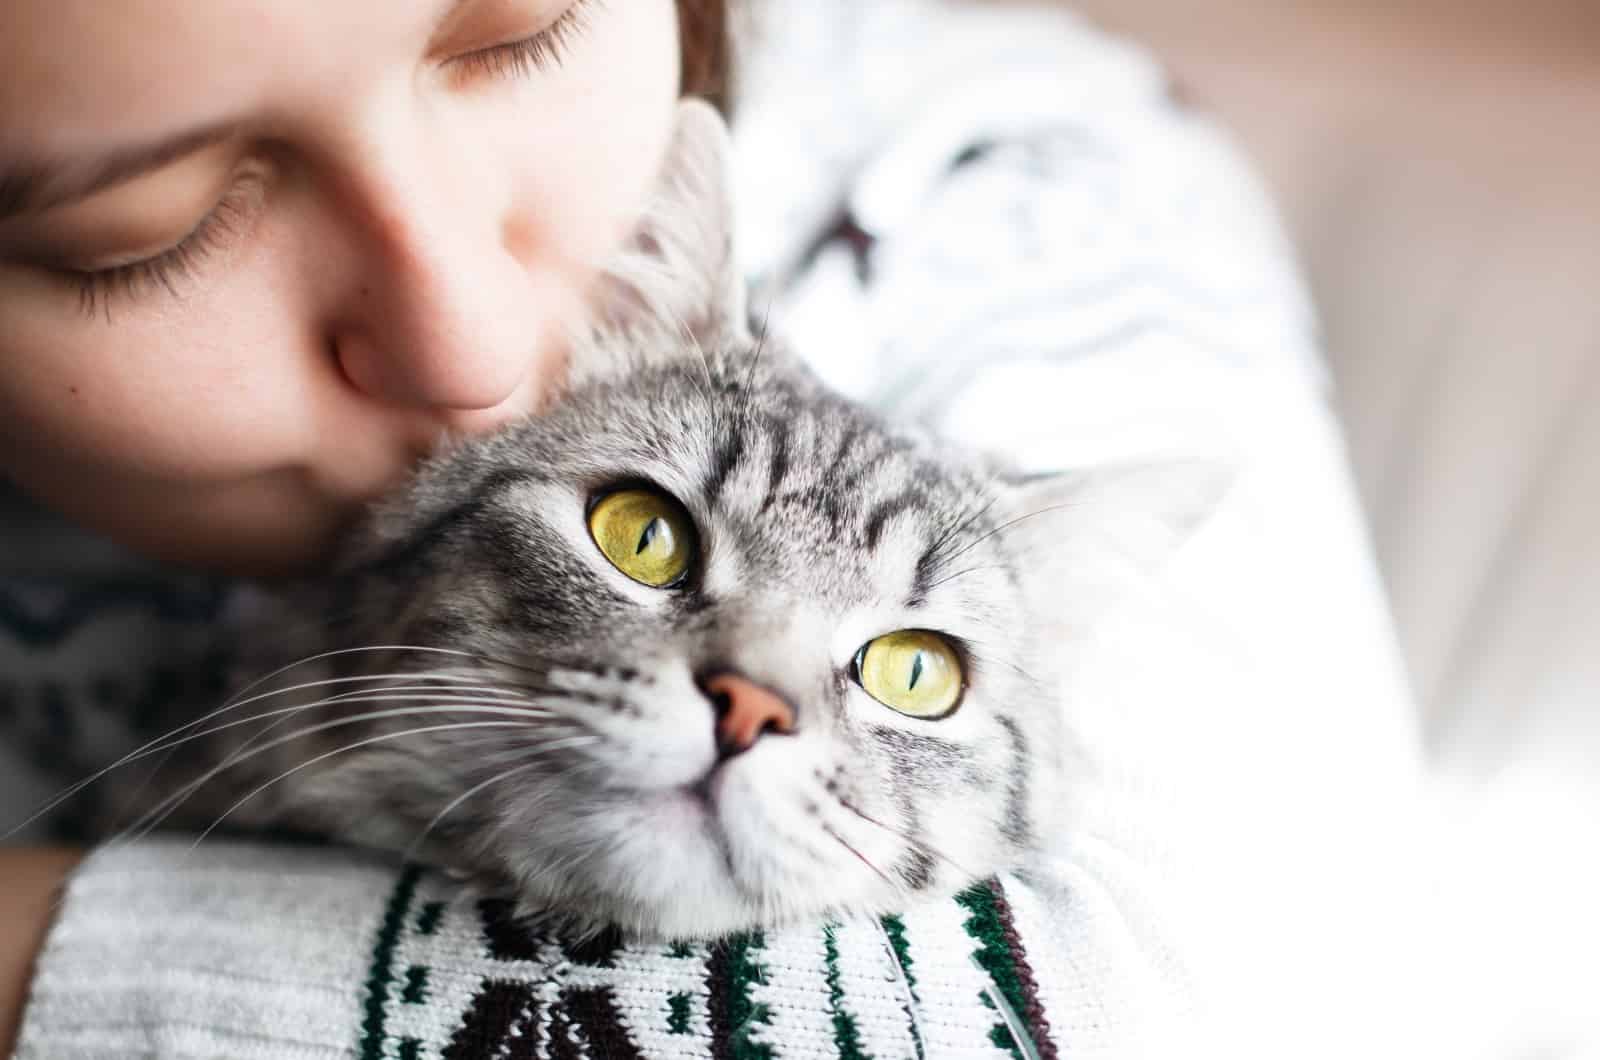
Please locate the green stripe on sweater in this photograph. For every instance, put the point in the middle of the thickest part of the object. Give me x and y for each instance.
(734, 972)
(381, 976)
(995, 955)
(846, 1037)
(895, 930)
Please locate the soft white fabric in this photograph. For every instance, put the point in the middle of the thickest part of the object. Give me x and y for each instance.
(1041, 256)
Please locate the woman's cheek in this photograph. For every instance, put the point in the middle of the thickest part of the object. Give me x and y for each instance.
(164, 387)
(592, 133)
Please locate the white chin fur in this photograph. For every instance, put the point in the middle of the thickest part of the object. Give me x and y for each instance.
(675, 864)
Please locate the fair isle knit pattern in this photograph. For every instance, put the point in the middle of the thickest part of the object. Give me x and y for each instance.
(454, 977)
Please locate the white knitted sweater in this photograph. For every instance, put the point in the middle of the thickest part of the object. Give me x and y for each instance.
(991, 219)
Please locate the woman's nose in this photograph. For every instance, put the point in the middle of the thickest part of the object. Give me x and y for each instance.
(452, 311)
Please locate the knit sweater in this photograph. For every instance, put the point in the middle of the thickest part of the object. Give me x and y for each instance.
(993, 220)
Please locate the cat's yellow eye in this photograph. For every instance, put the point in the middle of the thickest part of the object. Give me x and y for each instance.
(913, 671)
(646, 535)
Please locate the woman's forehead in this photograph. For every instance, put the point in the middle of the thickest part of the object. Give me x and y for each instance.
(75, 74)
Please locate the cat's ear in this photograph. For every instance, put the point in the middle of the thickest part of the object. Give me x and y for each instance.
(1084, 540)
(680, 275)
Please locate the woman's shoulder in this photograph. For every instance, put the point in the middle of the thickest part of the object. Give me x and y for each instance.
(92, 640)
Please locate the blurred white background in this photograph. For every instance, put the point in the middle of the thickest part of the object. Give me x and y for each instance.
(1438, 163)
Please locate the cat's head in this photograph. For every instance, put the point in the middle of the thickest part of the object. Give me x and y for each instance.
(736, 652)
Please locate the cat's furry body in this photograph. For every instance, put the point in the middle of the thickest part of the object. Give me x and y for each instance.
(543, 724)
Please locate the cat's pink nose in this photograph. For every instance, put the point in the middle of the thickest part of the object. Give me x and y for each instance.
(745, 710)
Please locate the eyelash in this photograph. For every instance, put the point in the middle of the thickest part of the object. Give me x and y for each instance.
(97, 289)
(544, 50)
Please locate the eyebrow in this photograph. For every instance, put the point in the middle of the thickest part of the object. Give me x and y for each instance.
(32, 186)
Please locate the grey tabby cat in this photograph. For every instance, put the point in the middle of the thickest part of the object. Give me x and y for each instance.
(702, 648)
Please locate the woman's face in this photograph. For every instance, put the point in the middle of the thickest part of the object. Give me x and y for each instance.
(256, 256)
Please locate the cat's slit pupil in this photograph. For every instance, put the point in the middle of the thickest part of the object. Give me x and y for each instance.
(916, 672)
(648, 538)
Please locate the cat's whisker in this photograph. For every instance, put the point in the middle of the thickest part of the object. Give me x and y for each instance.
(161, 743)
(239, 697)
(868, 862)
(505, 774)
(163, 809)
(1014, 1023)
(747, 392)
(463, 695)
(511, 664)
(1008, 524)
(984, 655)
(508, 755)
(693, 341)
(402, 694)
(536, 753)
(287, 631)
(450, 684)
(399, 695)
(963, 573)
(959, 524)
(381, 737)
(336, 652)
(912, 841)
(910, 1005)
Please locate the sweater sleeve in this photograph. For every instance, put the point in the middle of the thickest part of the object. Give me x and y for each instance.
(260, 951)
(231, 950)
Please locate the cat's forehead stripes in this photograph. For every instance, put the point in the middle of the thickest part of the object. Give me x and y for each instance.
(855, 489)
(788, 485)
(902, 503)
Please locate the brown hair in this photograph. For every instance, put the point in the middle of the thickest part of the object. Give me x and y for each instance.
(703, 33)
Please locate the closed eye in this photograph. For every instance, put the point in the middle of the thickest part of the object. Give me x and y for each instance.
(169, 269)
(541, 51)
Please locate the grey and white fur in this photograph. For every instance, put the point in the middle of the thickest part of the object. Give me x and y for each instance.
(480, 687)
